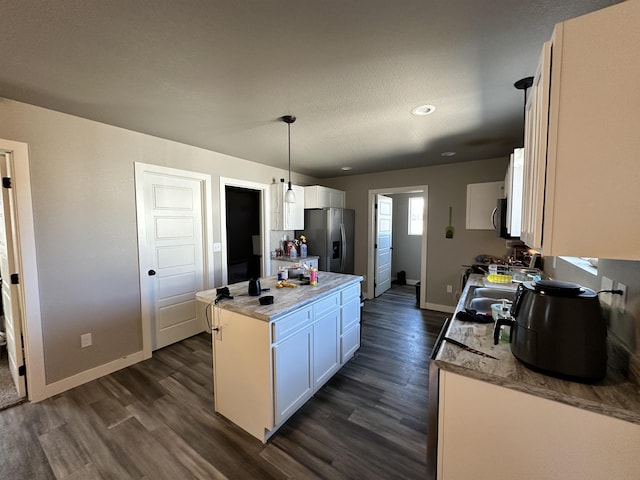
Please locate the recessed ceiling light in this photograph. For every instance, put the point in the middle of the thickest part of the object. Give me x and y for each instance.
(423, 110)
(448, 154)
(346, 169)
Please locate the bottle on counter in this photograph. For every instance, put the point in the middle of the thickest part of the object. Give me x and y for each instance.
(293, 253)
(313, 276)
(303, 250)
(283, 273)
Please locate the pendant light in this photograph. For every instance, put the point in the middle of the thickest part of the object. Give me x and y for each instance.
(290, 196)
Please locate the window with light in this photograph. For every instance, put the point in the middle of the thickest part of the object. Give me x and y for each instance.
(416, 209)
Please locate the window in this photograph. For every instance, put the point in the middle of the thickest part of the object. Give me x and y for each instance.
(416, 209)
(587, 264)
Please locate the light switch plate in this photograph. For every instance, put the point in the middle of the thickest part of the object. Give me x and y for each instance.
(86, 340)
(622, 302)
(607, 284)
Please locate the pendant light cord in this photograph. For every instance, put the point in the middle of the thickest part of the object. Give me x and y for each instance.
(289, 131)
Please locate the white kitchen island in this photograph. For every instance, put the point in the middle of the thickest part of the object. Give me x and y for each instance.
(268, 360)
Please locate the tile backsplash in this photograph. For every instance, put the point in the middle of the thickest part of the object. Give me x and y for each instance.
(624, 325)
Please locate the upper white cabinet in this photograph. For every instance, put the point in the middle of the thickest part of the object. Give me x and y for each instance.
(317, 196)
(581, 142)
(535, 142)
(286, 216)
(481, 203)
(513, 192)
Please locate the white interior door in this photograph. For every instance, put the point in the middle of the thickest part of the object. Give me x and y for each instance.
(10, 292)
(384, 217)
(173, 257)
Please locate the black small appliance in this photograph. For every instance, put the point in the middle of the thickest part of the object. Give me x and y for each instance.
(558, 328)
(254, 287)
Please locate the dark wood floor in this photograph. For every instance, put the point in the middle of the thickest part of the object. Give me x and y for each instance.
(155, 420)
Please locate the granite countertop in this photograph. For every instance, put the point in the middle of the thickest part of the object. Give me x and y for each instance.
(285, 299)
(296, 259)
(616, 396)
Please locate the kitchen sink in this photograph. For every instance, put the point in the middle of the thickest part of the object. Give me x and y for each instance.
(480, 299)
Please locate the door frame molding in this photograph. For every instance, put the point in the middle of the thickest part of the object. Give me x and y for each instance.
(29, 297)
(265, 222)
(207, 232)
(371, 233)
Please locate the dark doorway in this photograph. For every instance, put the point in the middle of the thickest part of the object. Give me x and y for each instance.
(243, 234)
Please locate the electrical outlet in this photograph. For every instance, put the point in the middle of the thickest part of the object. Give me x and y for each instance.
(606, 284)
(622, 302)
(449, 289)
(217, 247)
(85, 340)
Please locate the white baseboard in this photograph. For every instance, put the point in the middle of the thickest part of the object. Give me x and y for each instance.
(81, 378)
(440, 308)
(409, 281)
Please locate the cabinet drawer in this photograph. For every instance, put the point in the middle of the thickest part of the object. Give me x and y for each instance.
(351, 292)
(349, 314)
(326, 305)
(349, 343)
(288, 324)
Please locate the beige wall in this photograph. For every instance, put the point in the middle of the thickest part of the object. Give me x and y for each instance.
(82, 180)
(447, 187)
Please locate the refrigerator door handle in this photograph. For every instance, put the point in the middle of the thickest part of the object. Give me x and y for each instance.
(343, 253)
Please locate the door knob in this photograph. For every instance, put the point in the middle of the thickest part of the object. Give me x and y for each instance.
(151, 273)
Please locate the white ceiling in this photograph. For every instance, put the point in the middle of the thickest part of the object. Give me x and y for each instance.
(219, 74)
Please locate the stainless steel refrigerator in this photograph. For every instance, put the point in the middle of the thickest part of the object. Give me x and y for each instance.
(330, 233)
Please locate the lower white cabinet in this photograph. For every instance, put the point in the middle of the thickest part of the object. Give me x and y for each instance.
(349, 322)
(326, 348)
(292, 372)
(264, 371)
(489, 431)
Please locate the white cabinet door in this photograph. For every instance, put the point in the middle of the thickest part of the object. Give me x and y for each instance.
(317, 196)
(535, 152)
(326, 348)
(349, 342)
(292, 359)
(581, 139)
(286, 216)
(513, 192)
(349, 322)
(488, 431)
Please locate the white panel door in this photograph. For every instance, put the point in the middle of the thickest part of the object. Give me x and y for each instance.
(10, 293)
(383, 244)
(173, 223)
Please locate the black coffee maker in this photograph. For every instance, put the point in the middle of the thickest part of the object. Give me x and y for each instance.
(254, 287)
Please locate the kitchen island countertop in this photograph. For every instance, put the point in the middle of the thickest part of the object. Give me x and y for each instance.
(297, 259)
(616, 396)
(285, 299)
